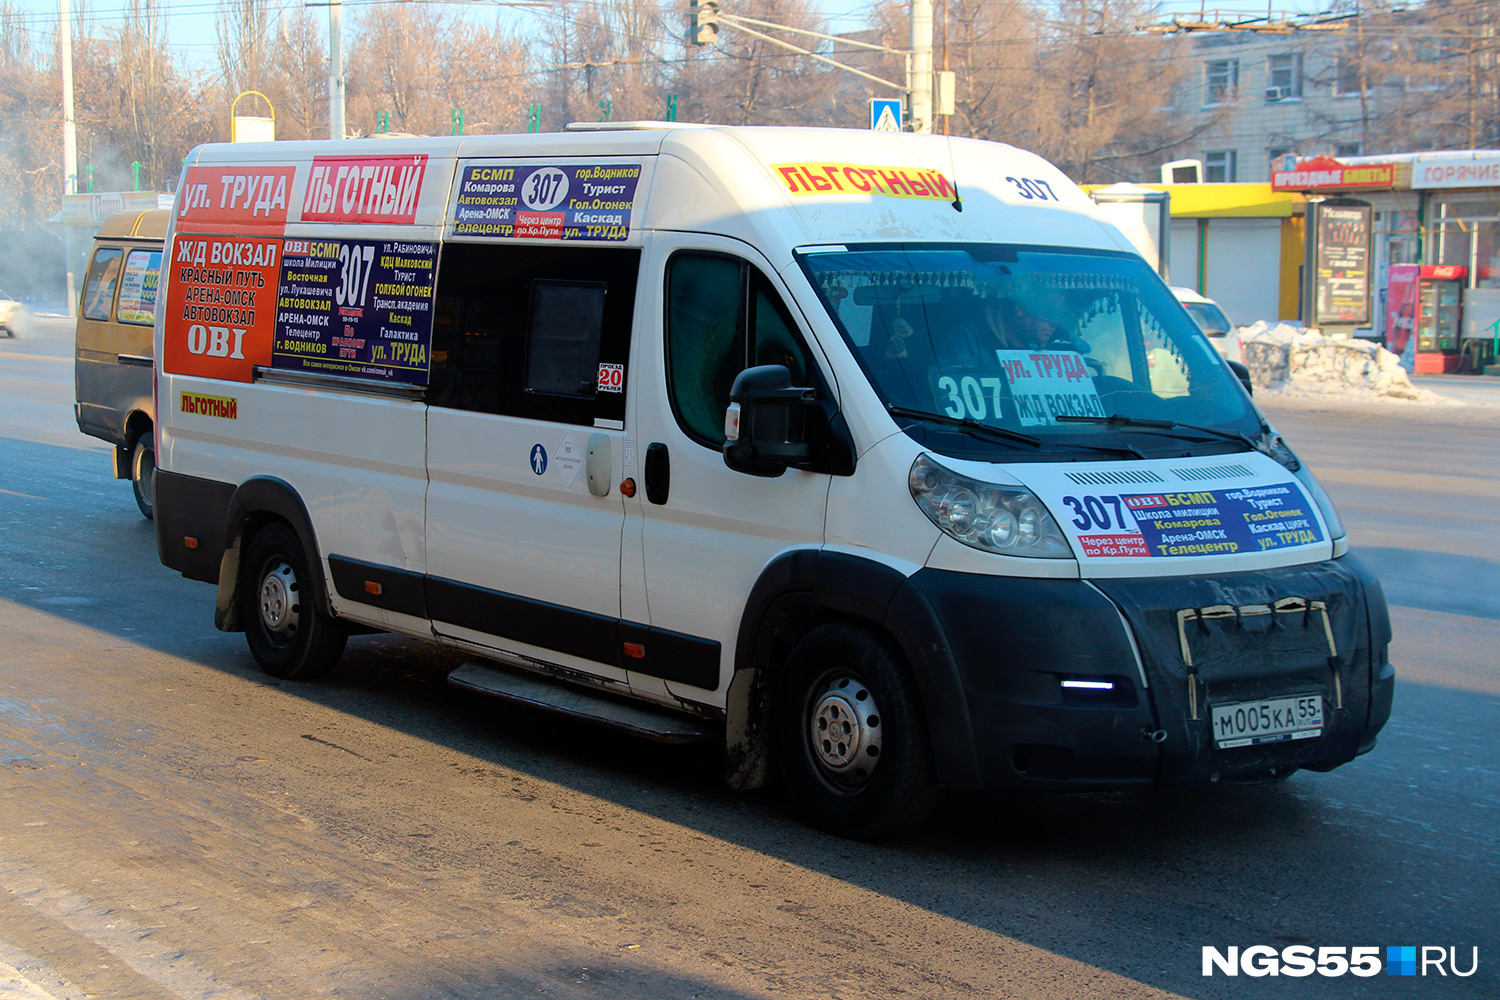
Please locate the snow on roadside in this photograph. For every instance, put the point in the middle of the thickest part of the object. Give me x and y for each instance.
(1288, 360)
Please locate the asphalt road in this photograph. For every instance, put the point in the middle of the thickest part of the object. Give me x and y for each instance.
(174, 824)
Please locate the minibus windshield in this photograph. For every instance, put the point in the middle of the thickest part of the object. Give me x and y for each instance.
(1048, 341)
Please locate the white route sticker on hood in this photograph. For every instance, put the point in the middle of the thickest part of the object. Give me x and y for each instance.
(1260, 516)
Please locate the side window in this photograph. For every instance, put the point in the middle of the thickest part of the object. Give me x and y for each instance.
(537, 332)
(724, 316)
(138, 285)
(776, 341)
(705, 340)
(99, 285)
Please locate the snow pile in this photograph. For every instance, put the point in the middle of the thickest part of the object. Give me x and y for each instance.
(1295, 361)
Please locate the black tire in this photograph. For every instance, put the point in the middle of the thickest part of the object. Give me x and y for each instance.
(289, 636)
(143, 472)
(874, 777)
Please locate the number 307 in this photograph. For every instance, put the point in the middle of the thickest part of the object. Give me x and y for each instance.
(1033, 189)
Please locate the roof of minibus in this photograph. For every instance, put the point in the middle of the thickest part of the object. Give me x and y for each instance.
(780, 188)
(150, 224)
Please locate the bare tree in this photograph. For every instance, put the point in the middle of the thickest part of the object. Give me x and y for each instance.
(482, 71)
(134, 105)
(244, 42)
(30, 169)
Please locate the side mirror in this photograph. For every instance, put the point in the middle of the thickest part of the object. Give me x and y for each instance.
(1243, 374)
(765, 426)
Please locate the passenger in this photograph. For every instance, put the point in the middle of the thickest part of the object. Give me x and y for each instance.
(996, 325)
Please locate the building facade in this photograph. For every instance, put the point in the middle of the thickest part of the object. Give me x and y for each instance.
(1256, 98)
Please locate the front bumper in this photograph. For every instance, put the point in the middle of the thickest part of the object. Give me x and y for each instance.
(1172, 648)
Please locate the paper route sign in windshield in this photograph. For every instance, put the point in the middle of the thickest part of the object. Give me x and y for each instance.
(1048, 384)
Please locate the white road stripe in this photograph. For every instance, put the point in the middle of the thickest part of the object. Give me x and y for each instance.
(113, 931)
(24, 978)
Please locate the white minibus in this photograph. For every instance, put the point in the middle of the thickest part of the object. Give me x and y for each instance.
(877, 458)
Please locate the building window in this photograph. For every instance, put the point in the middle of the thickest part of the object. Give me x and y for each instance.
(1341, 149)
(1284, 77)
(1221, 80)
(1346, 77)
(1218, 166)
(1276, 154)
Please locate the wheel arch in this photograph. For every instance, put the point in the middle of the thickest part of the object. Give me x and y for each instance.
(255, 503)
(803, 589)
(137, 422)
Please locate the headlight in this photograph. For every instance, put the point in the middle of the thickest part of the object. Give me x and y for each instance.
(1325, 504)
(1005, 519)
(1272, 445)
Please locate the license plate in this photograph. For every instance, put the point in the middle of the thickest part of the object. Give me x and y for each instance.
(1276, 720)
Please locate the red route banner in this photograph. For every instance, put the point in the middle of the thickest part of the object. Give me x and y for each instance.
(364, 189)
(856, 179)
(1114, 546)
(234, 199)
(221, 306)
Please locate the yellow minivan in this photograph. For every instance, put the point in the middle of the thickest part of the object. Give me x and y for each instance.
(112, 368)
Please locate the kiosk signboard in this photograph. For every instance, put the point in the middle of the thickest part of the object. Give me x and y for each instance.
(1339, 255)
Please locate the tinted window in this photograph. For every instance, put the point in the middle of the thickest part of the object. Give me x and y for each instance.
(527, 331)
(724, 316)
(99, 286)
(705, 340)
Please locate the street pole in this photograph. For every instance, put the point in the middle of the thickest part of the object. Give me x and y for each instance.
(919, 66)
(335, 70)
(70, 133)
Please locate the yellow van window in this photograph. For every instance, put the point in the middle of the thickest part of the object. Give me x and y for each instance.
(99, 288)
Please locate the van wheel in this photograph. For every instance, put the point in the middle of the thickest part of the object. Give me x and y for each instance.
(850, 737)
(143, 472)
(287, 634)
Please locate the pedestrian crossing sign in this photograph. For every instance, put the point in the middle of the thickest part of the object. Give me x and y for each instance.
(885, 116)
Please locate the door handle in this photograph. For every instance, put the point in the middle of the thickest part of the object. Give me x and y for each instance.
(658, 473)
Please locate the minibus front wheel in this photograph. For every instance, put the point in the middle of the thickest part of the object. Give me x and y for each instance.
(289, 636)
(850, 735)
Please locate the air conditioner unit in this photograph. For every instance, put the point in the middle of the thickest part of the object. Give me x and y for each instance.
(1278, 93)
(1182, 172)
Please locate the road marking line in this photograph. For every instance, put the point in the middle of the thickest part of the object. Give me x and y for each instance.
(109, 929)
(18, 985)
(28, 496)
(14, 986)
(34, 357)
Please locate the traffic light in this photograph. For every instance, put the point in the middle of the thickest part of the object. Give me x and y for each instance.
(703, 22)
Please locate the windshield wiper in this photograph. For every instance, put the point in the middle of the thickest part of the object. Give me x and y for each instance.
(968, 424)
(1119, 420)
(975, 427)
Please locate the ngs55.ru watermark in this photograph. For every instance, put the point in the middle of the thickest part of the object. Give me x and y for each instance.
(1363, 960)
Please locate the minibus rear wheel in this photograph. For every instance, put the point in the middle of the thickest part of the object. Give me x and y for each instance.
(850, 737)
(288, 635)
(142, 471)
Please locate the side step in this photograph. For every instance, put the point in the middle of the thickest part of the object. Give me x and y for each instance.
(579, 703)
